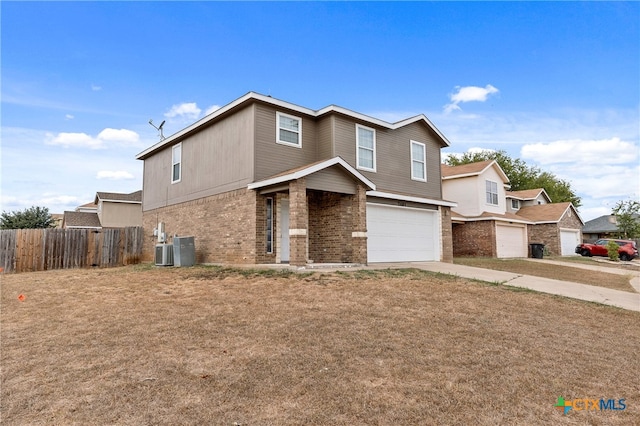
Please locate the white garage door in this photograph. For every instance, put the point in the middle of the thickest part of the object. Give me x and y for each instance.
(401, 234)
(569, 239)
(511, 241)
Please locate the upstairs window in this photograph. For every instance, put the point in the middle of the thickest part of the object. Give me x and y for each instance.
(418, 161)
(492, 192)
(515, 204)
(366, 148)
(289, 130)
(176, 163)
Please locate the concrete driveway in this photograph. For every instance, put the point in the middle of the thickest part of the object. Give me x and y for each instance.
(606, 296)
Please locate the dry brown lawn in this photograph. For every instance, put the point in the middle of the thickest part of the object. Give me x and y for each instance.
(205, 345)
(556, 272)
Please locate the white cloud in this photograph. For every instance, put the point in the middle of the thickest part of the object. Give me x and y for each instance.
(212, 109)
(611, 151)
(75, 140)
(96, 88)
(600, 171)
(83, 140)
(56, 203)
(469, 94)
(119, 135)
(187, 110)
(69, 117)
(114, 175)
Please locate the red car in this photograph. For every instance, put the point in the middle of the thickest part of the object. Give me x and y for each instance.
(626, 249)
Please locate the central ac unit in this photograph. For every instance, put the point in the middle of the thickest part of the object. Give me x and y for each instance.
(164, 255)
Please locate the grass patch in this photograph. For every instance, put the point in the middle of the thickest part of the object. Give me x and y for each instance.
(546, 270)
(209, 272)
(213, 345)
(597, 261)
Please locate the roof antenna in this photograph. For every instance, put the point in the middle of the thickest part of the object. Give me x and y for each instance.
(158, 128)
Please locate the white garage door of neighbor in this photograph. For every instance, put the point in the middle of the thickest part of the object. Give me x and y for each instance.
(569, 239)
(511, 241)
(401, 234)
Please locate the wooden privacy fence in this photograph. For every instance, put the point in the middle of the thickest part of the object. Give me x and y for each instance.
(23, 250)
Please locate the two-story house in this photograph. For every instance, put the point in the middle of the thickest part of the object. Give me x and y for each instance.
(491, 221)
(262, 180)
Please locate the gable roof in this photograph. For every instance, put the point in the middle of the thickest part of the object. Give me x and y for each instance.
(471, 169)
(256, 97)
(528, 194)
(133, 197)
(81, 220)
(303, 171)
(92, 207)
(548, 213)
(602, 224)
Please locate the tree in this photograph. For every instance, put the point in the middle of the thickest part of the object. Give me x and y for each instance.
(32, 217)
(522, 176)
(627, 218)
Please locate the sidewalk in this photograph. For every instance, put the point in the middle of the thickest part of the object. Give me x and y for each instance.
(621, 299)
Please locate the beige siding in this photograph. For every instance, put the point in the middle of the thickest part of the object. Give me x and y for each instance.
(216, 159)
(273, 158)
(345, 140)
(332, 179)
(325, 138)
(120, 215)
(393, 157)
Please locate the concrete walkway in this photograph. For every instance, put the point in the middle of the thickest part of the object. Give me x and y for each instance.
(621, 299)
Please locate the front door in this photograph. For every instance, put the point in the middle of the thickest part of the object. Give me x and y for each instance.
(284, 230)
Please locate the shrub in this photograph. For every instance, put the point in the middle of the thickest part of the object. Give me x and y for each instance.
(612, 251)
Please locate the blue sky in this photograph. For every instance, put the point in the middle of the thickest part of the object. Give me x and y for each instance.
(556, 84)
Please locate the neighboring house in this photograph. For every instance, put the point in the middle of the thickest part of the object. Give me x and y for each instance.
(601, 227)
(81, 220)
(262, 180)
(556, 225)
(109, 210)
(117, 210)
(527, 197)
(490, 221)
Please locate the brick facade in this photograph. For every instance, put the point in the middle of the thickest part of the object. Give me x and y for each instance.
(359, 225)
(329, 227)
(476, 239)
(325, 227)
(337, 226)
(447, 235)
(549, 233)
(298, 222)
(224, 226)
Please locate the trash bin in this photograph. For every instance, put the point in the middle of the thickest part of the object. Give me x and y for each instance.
(537, 250)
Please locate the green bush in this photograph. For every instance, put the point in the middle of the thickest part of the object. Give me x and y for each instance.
(612, 251)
